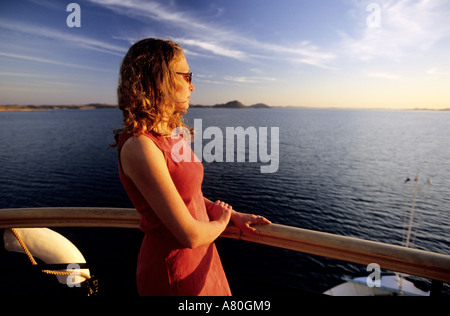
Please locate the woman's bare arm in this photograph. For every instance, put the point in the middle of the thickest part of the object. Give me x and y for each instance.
(143, 162)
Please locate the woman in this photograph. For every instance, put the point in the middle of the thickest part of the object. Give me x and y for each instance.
(178, 255)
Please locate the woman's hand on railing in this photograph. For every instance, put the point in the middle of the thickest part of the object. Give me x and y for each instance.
(245, 222)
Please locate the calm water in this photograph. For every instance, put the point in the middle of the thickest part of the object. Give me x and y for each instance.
(340, 171)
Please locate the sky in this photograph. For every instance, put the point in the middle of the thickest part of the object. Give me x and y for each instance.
(388, 54)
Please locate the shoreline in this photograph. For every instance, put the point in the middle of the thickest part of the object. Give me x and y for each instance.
(230, 105)
(23, 108)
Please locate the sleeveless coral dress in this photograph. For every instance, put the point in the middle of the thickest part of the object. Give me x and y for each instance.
(164, 267)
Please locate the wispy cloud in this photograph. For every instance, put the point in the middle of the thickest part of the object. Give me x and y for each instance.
(244, 79)
(153, 10)
(405, 26)
(214, 48)
(304, 52)
(200, 37)
(383, 75)
(49, 61)
(71, 39)
(438, 73)
(23, 75)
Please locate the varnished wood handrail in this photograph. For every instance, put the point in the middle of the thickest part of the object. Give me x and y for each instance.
(395, 258)
(69, 217)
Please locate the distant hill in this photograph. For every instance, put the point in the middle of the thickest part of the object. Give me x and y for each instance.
(90, 106)
(230, 105)
(260, 106)
(233, 105)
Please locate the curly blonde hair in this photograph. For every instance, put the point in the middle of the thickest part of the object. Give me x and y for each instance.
(147, 87)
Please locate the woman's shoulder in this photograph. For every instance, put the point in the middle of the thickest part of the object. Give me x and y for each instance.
(140, 157)
(146, 140)
(140, 147)
(140, 140)
(129, 140)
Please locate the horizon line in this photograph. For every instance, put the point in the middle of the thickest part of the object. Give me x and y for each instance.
(109, 105)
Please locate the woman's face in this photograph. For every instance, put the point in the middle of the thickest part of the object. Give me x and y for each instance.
(186, 87)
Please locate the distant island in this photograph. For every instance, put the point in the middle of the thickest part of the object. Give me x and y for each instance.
(229, 105)
(93, 106)
(233, 105)
(90, 106)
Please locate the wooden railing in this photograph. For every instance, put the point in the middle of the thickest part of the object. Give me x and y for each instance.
(420, 263)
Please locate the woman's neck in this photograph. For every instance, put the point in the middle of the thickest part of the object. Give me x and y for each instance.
(162, 129)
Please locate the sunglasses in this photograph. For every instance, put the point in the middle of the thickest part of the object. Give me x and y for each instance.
(187, 76)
